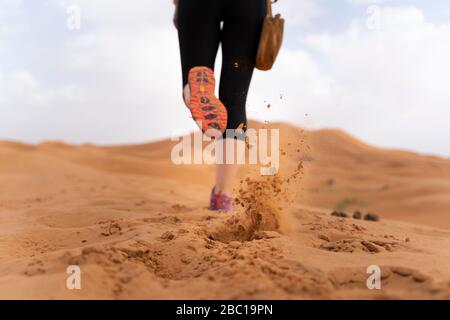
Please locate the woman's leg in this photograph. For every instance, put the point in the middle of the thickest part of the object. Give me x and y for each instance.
(226, 172)
(225, 176)
(199, 36)
(240, 39)
(199, 32)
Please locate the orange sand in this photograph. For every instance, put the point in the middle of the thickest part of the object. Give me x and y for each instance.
(138, 227)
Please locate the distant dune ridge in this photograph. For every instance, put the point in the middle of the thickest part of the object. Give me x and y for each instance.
(138, 227)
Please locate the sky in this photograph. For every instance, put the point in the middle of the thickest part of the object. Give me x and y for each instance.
(378, 70)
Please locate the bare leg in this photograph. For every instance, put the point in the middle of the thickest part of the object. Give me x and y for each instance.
(186, 95)
(226, 173)
(225, 176)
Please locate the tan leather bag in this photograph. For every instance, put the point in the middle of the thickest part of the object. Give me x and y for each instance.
(271, 39)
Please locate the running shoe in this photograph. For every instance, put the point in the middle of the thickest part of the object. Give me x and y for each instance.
(221, 202)
(207, 110)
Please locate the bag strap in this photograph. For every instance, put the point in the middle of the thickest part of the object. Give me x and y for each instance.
(269, 7)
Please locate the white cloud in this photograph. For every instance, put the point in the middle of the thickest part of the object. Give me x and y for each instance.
(387, 86)
(121, 80)
(121, 15)
(369, 2)
(297, 12)
(8, 6)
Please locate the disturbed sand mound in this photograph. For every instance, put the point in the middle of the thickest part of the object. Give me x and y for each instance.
(258, 209)
(138, 226)
(260, 204)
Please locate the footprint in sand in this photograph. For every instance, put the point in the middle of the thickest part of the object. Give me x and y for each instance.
(395, 280)
(356, 244)
(162, 219)
(35, 268)
(178, 208)
(111, 227)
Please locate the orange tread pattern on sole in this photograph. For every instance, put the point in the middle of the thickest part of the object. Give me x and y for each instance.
(205, 107)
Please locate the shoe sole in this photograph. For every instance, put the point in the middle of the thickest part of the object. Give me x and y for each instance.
(207, 110)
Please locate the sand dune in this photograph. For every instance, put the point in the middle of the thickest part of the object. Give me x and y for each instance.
(138, 227)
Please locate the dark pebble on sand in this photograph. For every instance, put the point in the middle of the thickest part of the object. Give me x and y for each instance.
(357, 215)
(339, 214)
(371, 217)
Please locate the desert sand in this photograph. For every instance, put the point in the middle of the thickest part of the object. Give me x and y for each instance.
(139, 228)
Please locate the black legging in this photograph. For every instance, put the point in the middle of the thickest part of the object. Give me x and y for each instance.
(200, 33)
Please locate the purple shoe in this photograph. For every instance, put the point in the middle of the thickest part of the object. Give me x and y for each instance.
(221, 202)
